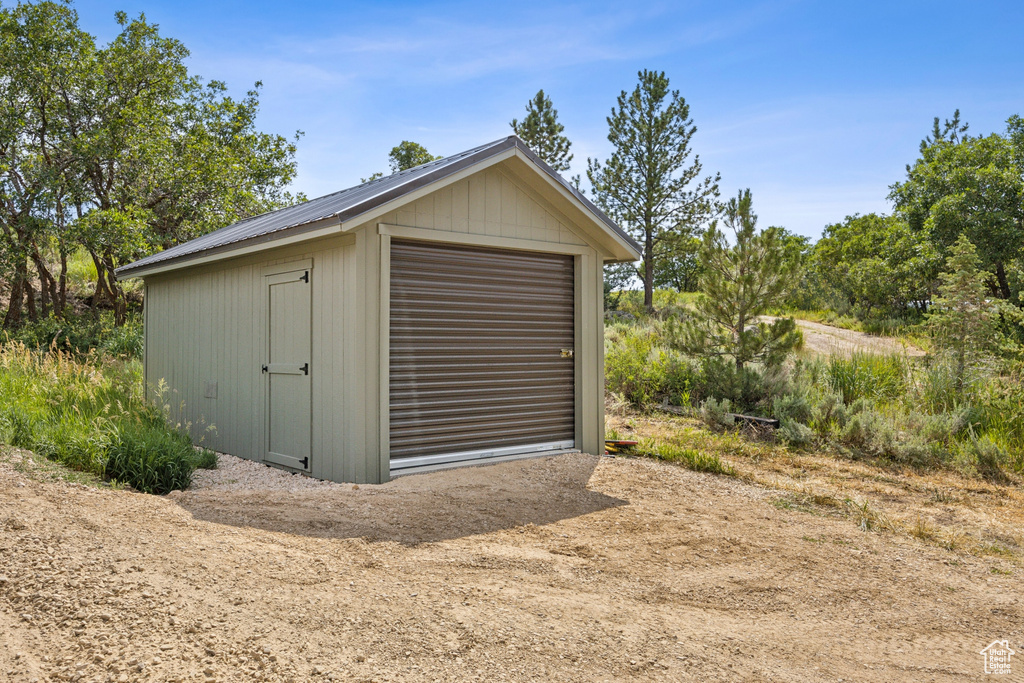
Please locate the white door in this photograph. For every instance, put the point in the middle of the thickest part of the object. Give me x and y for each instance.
(287, 370)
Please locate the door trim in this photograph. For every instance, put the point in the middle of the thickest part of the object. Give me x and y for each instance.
(275, 272)
(391, 467)
(423, 460)
(287, 267)
(469, 239)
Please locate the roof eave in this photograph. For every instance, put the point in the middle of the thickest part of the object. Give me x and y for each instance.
(622, 248)
(342, 220)
(324, 227)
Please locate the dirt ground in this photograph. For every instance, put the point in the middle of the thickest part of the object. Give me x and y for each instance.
(571, 568)
(827, 340)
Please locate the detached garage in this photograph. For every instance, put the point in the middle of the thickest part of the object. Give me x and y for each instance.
(443, 315)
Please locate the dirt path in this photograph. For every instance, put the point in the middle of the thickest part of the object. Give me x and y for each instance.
(571, 568)
(827, 340)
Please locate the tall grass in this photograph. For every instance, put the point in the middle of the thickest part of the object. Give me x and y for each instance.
(868, 375)
(635, 362)
(90, 413)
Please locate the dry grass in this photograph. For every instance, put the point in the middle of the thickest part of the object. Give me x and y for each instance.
(938, 508)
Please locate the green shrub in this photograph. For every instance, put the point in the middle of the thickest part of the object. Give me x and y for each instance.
(717, 414)
(942, 428)
(792, 408)
(938, 389)
(750, 390)
(80, 334)
(829, 415)
(666, 301)
(876, 405)
(891, 326)
(681, 376)
(635, 364)
(1000, 414)
(983, 456)
(795, 433)
(89, 413)
(205, 459)
(126, 340)
(149, 458)
(869, 432)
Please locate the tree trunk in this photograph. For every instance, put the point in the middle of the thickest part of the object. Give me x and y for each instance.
(741, 326)
(13, 316)
(47, 283)
(1004, 285)
(30, 298)
(62, 286)
(649, 272)
(118, 297)
(101, 292)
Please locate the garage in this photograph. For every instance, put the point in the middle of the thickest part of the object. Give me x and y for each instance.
(445, 315)
(481, 353)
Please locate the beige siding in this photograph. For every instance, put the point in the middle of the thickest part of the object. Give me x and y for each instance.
(208, 325)
(505, 214)
(488, 203)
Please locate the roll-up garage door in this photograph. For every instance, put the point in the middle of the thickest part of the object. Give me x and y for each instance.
(481, 353)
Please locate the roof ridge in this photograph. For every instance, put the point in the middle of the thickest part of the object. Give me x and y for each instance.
(367, 183)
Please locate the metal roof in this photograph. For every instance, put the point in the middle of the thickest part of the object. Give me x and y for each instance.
(354, 201)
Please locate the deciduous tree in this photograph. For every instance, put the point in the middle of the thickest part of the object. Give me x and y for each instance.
(877, 265)
(117, 149)
(973, 186)
(43, 59)
(407, 154)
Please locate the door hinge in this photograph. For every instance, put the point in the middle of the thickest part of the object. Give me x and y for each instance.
(305, 277)
(305, 368)
(265, 368)
(305, 463)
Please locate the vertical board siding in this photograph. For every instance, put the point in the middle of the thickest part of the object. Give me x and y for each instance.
(488, 203)
(208, 325)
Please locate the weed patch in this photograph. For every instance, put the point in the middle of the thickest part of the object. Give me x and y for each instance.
(89, 413)
(689, 458)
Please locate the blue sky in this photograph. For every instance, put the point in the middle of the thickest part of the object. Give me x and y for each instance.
(815, 106)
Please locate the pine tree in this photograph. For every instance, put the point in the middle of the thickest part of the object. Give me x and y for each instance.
(542, 132)
(651, 183)
(963, 322)
(738, 284)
